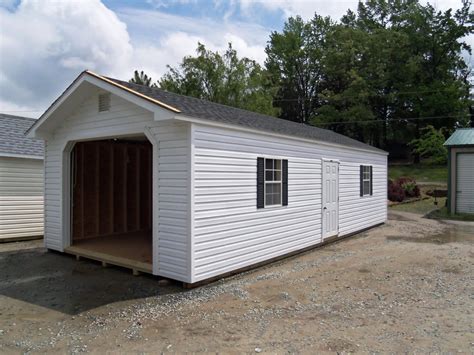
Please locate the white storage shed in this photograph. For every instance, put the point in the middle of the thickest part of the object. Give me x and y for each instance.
(191, 190)
(21, 180)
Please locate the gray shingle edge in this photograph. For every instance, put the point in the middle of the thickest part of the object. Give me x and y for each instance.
(13, 141)
(206, 110)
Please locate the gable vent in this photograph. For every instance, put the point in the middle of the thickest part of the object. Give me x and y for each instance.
(104, 102)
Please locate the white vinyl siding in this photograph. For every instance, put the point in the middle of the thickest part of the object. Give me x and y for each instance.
(173, 199)
(85, 122)
(126, 118)
(21, 197)
(205, 189)
(465, 183)
(229, 231)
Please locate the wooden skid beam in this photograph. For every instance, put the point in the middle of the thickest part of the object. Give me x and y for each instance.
(106, 259)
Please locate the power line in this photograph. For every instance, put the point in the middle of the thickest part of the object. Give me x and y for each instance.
(394, 119)
(309, 99)
(395, 94)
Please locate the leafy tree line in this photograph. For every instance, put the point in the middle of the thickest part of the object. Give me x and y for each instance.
(380, 74)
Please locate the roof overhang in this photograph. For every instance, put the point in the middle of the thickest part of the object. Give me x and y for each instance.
(272, 134)
(79, 90)
(23, 156)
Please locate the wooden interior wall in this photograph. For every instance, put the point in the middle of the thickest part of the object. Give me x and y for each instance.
(112, 188)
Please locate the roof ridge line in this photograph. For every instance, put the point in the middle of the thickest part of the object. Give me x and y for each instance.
(227, 106)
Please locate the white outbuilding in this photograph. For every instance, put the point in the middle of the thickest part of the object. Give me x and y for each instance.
(192, 190)
(21, 180)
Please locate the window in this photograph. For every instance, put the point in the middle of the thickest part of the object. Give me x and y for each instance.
(104, 102)
(365, 180)
(272, 182)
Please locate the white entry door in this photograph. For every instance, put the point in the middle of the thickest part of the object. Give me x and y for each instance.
(330, 199)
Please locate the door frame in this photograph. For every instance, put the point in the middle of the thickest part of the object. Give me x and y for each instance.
(323, 174)
(66, 188)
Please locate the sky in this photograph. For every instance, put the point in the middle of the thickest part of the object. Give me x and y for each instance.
(45, 44)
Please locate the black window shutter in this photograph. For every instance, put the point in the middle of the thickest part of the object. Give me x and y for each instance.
(361, 176)
(371, 182)
(284, 180)
(260, 182)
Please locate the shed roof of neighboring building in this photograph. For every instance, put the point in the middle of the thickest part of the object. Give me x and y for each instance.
(13, 141)
(212, 111)
(462, 136)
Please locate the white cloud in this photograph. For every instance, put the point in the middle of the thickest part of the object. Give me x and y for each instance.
(48, 43)
(336, 8)
(160, 38)
(304, 8)
(167, 3)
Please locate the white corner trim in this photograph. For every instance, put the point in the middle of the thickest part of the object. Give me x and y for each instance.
(191, 202)
(149, 134)
(155, 199)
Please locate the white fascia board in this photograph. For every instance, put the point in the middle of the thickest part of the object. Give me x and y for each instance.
(11, 155)
(159, 112)
(31, 133)
(271, 134)
(121, 93)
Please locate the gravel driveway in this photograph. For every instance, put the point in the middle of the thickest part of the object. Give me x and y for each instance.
(406, 286)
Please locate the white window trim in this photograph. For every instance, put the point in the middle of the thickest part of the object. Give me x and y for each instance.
(272, 182)
(364, 194)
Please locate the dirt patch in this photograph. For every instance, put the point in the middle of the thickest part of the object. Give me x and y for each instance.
(364, 294)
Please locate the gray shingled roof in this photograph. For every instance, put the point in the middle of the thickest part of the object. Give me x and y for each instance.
(12, 137)
(198, 108)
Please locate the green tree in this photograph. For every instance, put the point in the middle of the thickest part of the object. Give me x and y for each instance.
(393, 65)
(430, 146)
(225, 79)
(142, 79)
(294, 59)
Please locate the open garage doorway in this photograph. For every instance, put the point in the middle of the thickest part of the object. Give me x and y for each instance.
(111, 196)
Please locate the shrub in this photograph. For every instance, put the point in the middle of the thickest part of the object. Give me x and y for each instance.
(409, 186)
(395, 192)
(401, 188)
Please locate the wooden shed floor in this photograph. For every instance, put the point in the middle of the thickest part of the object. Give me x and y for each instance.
(130, 250)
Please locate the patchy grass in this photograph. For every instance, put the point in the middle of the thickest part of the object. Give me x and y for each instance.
(420, 207)
(421, 173)
(442, 213)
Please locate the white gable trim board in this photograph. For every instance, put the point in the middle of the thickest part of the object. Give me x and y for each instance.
(205, 217)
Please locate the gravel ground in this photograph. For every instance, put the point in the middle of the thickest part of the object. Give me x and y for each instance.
(406, 286)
